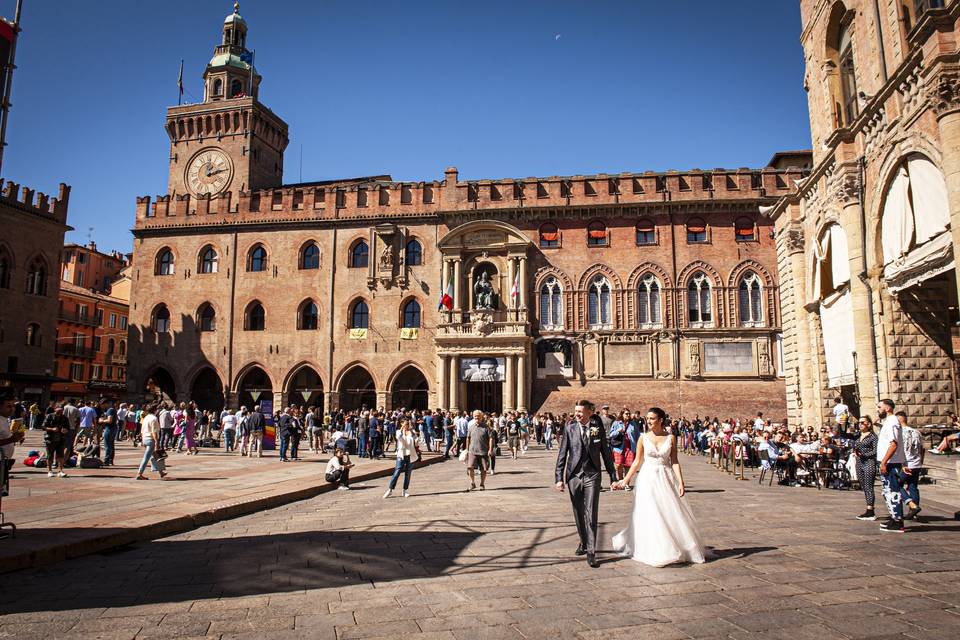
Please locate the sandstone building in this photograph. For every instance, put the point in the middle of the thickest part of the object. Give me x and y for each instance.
(29, 286)
(630, 288)
(866, 246)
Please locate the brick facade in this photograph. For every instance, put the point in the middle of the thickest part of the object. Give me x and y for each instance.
(576, 233)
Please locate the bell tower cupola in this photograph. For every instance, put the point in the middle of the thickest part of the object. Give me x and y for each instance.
(230, 72)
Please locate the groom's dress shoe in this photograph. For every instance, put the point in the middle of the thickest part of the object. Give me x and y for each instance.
(592, 560)
(581, 551)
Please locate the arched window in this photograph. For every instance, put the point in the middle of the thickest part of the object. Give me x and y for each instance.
(209, 261)
(359, 255)
(359, 315)
(648, 302)
(696, 231)
(6, 266)
(551, 304)
(207, 317)
(122, 348)
(256, 317)
(414, 253)
(161, 319)
(33, 335)
(309, 316)
(750, 300)
(164, 266)
(37, 277)
(217, 87)
(236, 89)
(598, 303)
(646, 233)
(310, 256)
(549, 236)
(257, 260)
(111, 346)
(699, 303)
(596, 234)
(848, 75)
(411, 315)
(745, 230)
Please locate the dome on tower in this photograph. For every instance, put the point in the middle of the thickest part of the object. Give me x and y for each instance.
(235, 18)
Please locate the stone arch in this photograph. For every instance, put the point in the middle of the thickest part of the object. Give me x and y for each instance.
(567, 296)
(666, 291)
(581, 295)
(303, 247)
(545, 272)
(253, 384)
(303, 385)
(599, 269)
(513, 237)
(247, 368)
(769, 291)
(716, 284)
(401, 310)
(160, 383)
(206, 387)
(352, 245)
(357, 387)
(749, 265)
(409, 387)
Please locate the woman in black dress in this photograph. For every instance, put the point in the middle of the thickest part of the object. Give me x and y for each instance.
(865, 448)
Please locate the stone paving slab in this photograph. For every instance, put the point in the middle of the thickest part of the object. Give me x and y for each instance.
(93, 510)
(444, 563)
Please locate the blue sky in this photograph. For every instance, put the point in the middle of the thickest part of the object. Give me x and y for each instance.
(498, 89)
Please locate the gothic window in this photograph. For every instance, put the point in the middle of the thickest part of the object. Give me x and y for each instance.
(165, 263)
(257, 260)
(848, 76)
(37, 277)
(696, 231)
(208, 260)
(596, 234)
(308, 316)
(750, 300)
(33, 335)
(549, 236)
(648, 302)
(699, 301)
(551, 304)
(161, 319)
(359, 255)
(207, 317)
(599, 309)
(6, 265)
(646, 233)
(256, 317)
(744, 230)
(414, 253)
(359, 315)
(310, 256)
(411, 315)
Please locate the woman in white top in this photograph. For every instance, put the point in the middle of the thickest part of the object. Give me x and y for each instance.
(406, 449)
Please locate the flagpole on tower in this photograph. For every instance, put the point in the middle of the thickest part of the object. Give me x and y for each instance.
(8, 67)
(180, 83)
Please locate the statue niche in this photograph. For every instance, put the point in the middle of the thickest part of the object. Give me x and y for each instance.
(484, 295)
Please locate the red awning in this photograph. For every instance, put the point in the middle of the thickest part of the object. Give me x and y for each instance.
(696, 228)
(549, 236)
(598, 234)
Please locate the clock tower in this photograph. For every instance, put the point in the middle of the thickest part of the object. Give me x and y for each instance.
(230, 141)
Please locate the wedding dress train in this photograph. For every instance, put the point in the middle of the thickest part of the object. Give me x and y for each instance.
(662, 528)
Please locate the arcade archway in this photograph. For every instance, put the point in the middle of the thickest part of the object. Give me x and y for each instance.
(357, 390)
(410, 390)
(207, 390)
(160, 386)
(306, 388)
(254, 387)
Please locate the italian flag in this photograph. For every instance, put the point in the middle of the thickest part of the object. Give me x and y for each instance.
(446, 297)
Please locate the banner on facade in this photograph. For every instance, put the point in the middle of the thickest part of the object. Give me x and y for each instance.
(409, 333)
(358, 334)
(483, 369)
(270, 430)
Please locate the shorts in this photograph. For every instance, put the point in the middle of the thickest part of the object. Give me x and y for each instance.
(513, 442)
(57, 448)
(624, 458)
(476, 461)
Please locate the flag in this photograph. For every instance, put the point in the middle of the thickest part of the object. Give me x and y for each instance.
(180, 82)
(446, 297)
(515, 290)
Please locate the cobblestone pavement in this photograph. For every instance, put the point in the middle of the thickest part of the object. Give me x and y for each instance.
(444, 564)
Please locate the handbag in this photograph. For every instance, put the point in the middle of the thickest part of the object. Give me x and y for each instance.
(463, 456)
(160, 454)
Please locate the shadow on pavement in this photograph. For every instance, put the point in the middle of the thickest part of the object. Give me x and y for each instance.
(165, 571)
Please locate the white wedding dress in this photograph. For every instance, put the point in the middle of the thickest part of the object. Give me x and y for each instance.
(662, 528)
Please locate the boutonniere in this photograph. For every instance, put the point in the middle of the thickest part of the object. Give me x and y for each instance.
(594, 431)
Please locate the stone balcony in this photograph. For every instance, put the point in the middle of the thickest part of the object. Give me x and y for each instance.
(501, 323)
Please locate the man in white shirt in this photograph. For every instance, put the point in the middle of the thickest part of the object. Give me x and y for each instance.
(913, 463)
(8, 439)
(229, 425)
(890, 453)
(840, 410)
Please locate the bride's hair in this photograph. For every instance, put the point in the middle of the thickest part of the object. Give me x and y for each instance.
(660, 412)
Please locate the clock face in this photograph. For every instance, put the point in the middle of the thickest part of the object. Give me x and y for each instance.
(209, 172)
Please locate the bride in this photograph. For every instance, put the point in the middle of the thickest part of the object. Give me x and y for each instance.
(662, 529)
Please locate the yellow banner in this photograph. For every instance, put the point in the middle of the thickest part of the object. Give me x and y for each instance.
(409, 333)
(358, 334)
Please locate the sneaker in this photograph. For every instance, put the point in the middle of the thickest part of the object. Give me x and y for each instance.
(50, 474)
(406, 494)
(343, 487)
(867, 515)
(386, 494)
(896, 526)
(628, 488)
(62, 474)
(911, 513)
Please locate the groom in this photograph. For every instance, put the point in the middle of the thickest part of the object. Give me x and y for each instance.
(578, 466)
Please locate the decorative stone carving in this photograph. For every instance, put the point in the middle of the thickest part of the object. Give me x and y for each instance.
(693, 359)
(844, 186)
(794, 239)
(482, 322)
(763, 358)
(946, 92)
